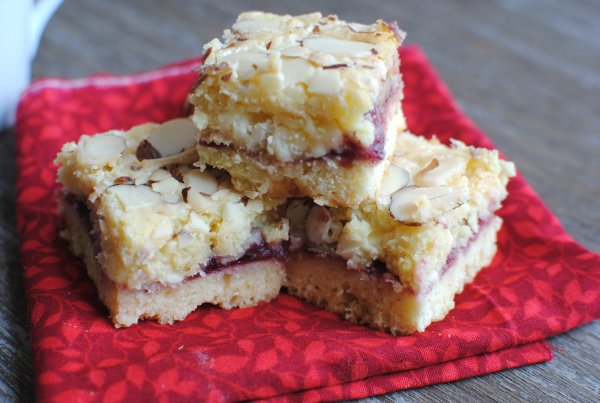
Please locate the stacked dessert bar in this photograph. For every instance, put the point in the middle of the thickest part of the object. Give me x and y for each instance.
(295, 156)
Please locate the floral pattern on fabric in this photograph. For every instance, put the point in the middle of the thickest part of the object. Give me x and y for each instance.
(540, 283)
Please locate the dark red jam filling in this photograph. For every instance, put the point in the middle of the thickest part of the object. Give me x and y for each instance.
(257, 251)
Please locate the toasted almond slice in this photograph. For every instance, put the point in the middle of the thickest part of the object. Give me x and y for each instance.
(317, 225)
(296, 71)
(146, 151)
(326, 82)
(233, 213)
(440, 175)
(296, 51)
(159, 175)
(397, 177)
(121, 180)
(256, 25)
(175, 172)
(201, 182)
(132, 196)
(184, 239)
(403, 206)
(173, 137)
(198, 202)
(339, 47)
(166, 186)
(450, 201)
(103, 148)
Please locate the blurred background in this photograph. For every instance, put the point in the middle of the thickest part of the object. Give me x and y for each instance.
(527, 73)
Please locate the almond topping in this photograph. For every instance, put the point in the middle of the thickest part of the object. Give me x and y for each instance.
(404, 208)
(397, 177)
(175, 173)
(439, 173)
(135, 168)
(173, 137)
(226, 77)
(338, 47)
(269, 45)
(158, 175)
(316, 30)
(198, 82)
(317, 225)
(208, 52)
(146, 151)
(201, 182)
(256, 25)
(335, 66)
(184, 193)
(122, 180)
(103, 148)
(132, 196)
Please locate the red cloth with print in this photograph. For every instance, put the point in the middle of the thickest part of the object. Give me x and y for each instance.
(541, 282)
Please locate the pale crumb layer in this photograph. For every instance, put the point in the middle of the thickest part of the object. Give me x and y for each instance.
(382, 301)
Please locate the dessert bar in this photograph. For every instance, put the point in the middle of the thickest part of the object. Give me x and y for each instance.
(396, 262)
(301, 106)
(158, 235)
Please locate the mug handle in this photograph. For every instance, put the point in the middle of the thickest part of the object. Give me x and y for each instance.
(44, 9)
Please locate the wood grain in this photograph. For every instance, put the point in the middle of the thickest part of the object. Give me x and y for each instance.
(526, 72)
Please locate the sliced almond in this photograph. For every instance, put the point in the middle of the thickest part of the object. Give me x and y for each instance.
(131, 196)
(158, 175)
(317, 225)
(450, 201)
(441, 173)
(175, 172)
(201, 182)
(146, 151)
(326, 82)
(233, 213)
(198, 202)
(397, 177)
(296, 71)
(184, 239)
(256, 25)
(296, 51)
(166, 186)
(121, 180)
(403, 206)
(103, 148)
(296, 212)
(339, 47)
(173, 137)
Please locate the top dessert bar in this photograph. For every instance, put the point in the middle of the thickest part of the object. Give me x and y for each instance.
(301, 106)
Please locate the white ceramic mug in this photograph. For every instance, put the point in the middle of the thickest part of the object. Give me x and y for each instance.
(22, 23)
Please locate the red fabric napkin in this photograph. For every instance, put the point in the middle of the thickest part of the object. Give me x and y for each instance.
(541, 282)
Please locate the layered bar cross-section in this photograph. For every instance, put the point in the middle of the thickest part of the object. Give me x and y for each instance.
(158, 235)
(396, 262)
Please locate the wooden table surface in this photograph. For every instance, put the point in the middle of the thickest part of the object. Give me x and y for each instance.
(527, 72)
